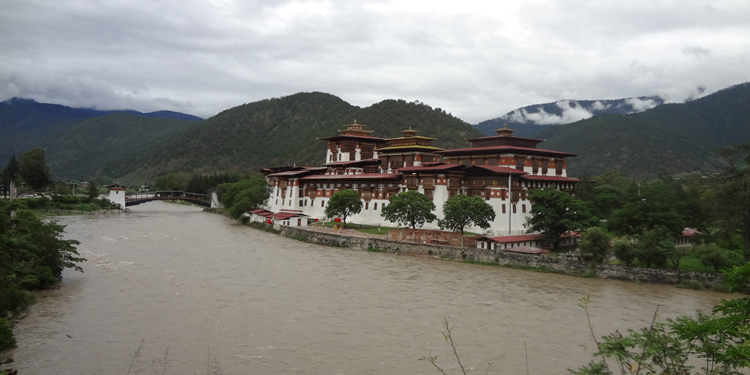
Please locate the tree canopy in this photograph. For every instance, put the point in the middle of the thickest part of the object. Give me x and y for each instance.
(33, 255)
(460, 211)
(410, 208)
(595, 244)
(248, 194)
(555, 212)
(344, 203)
(34, 170)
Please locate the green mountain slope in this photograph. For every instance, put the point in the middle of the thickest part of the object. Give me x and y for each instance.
(283, 131)
(668, 139)
(97, 146)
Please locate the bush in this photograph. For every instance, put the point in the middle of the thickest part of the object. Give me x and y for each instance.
(6, 336)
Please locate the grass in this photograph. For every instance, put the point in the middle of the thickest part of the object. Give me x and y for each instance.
(363, 228)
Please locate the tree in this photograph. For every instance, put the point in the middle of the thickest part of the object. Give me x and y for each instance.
(34, 170)
(13, 167)
(460, 211)
(625, 251)
(92, 191)
(248, 194)
(716, 257)
(595, 245)
(654, 247)
(344, 203)
(555, 212)
(9, 175)
(177, 181)
(738, 278)
(33, 255)
(647, 206)
(719, 339)
(735, 191)
(410, 208)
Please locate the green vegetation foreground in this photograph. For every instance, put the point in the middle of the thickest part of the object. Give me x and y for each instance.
(33, 255)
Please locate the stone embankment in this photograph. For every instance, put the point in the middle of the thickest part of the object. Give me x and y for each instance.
(77, 212)
(559, 264)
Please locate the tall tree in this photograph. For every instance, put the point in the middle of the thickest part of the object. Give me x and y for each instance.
(649, 205)
(12, 167)
(344, 203)
(460, 211)
(735, 189)
(555, 212)
(34, 170)
(239, 197)
(92, 191)
(595, 244)
(410, 208)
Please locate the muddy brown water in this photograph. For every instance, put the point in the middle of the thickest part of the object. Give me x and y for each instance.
(209, 295)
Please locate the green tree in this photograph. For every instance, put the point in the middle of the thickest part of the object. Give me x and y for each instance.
(654, 247)
(248, 194)
(735, 192)
(177, 181)
(649, 205)
(33, 255)
(92, 191)
(595, 245)
(9, 174)
(34, 170)
(714, 256)
(625, 251)
(555, 212)
(410, 208)
(460, 211)
(719, 339)
(738, 278)
(344, 203)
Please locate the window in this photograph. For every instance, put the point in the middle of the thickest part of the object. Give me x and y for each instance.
(322, 203)
(503, 208)
(367, 205)
(375, 207)
(523, 208)
(519, 164)
(514, 208)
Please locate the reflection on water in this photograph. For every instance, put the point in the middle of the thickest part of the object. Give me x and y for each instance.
(203, 287)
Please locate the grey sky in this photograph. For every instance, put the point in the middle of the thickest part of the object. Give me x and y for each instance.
(475, 59)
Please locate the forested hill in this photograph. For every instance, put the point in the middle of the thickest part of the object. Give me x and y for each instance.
(101, 147)
(284, 131)
(25, 123)
(668, 139)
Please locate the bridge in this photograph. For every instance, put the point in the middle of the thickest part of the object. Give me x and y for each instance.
(199, 199)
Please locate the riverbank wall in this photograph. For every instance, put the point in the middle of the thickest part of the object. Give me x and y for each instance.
(500, 257)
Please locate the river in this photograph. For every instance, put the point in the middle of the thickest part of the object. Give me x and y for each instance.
(209, 295)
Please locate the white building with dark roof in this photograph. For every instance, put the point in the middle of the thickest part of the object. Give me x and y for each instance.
(501, 169)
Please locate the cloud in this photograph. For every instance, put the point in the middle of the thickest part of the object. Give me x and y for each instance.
(640, 105)
(695, 51)
(476, 60)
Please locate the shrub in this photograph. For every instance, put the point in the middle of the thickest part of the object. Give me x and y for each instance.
(6, 335)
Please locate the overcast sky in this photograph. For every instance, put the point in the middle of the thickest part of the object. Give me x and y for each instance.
(474, 59)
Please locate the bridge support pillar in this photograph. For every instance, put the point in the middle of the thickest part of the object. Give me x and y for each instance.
(117, 195)
(215, 200)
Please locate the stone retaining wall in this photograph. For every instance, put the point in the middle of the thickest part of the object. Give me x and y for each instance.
(562, 265)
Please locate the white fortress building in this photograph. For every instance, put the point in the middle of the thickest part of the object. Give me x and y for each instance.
(502, 169)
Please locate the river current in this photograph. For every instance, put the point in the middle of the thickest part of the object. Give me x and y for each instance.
(209, 296)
